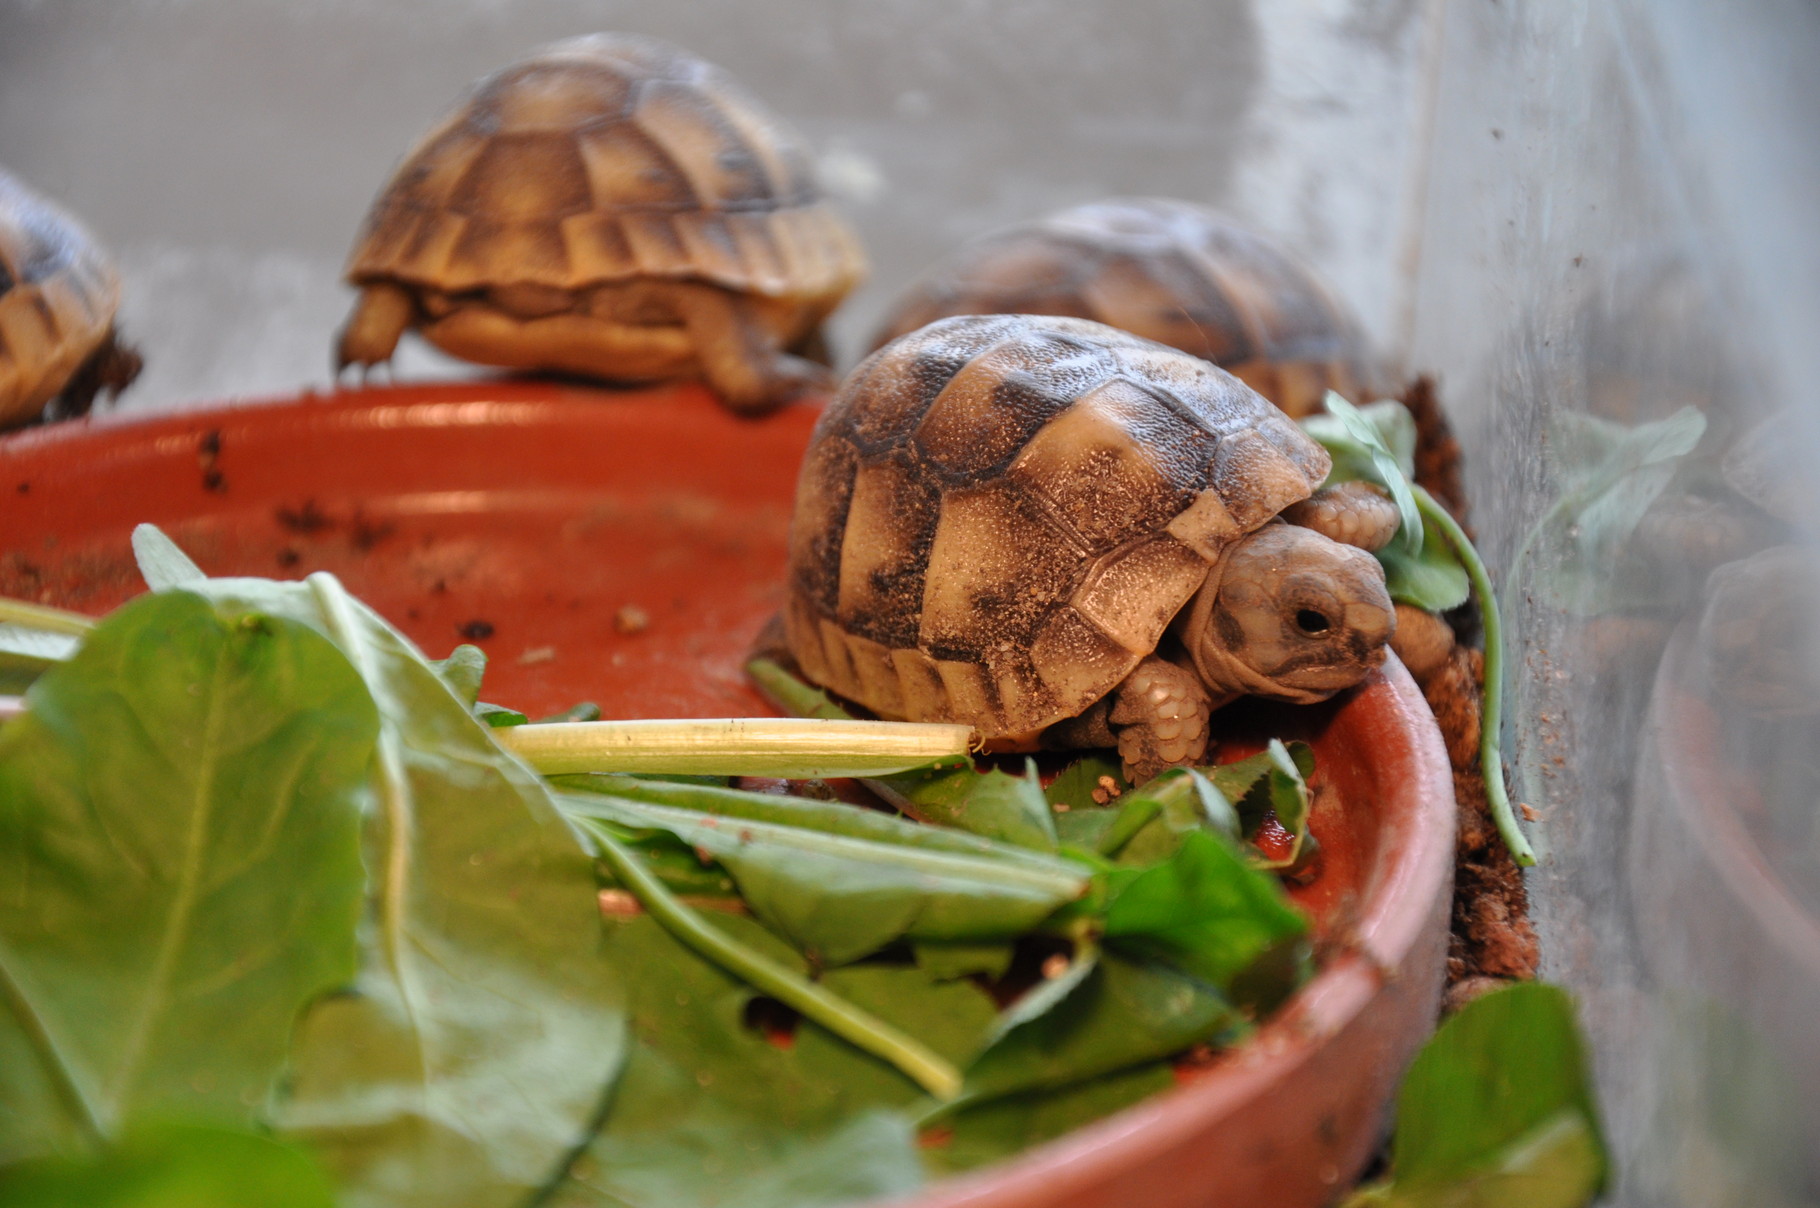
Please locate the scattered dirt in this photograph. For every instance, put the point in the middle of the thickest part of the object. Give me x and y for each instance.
(476, 630)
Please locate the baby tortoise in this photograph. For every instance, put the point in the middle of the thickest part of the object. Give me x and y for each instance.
(614, 207)
(58, 295)
(1067, 536)
(1169, 271)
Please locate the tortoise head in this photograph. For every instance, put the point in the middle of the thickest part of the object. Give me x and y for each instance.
(1288, 614)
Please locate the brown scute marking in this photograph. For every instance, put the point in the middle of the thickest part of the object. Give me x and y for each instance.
(824, 489)
(890, 393)
(1256, 480)
(841, 675)
(1133, 593)
(656, 246)
(973, 694)
(1160, 297)
(1089, 466)
(1292, 442)
(534, 250)
(1026, 702)
(925, 696)
(536, 177)
(873, 667)
(1078, 662)
(764, 267)
(1205, 526)
(803, 635)
(598, 249)
(1302, 387)
(626, 170)
(992, 407)
(890, 527)
(711, 250)
(705, 147)
(559, 96)
(998, 566)
(426, 254)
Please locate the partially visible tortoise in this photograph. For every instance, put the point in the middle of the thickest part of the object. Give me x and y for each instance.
(614, 207)
(1064, 535)
(1169, 271)
(58, 295)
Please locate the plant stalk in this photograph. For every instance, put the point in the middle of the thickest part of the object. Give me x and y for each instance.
(44, 618)
(922, 1065)
(793, 748)
(1491, 717)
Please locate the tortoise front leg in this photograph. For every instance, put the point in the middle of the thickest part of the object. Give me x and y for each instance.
(739, 354)
(383, 313)
(1159, 714)
(1352, 513)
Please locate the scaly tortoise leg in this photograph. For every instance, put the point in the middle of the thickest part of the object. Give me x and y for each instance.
(1352, 513)
(1159, 714)
(383, 313)
(740, 358)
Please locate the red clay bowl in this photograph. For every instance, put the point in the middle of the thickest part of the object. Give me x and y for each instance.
(625, 548)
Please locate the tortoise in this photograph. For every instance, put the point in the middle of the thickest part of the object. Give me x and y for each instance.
(1067, 536)
(614, 207)
(1172, 272)
(58, 295)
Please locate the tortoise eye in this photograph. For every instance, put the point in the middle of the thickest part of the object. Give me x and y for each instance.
(1312, 623)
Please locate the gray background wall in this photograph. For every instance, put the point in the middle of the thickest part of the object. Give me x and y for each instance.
(1551, 203)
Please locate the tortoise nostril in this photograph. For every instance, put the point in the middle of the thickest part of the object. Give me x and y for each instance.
(1312, 623)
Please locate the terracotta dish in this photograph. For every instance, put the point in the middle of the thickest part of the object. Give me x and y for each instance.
(625, 548)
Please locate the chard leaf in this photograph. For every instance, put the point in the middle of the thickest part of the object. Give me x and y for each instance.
(712, 1114)
(1360, 443)
(1496, 1111)
(1075, 785)
(27, 653)
(180, 870)
(951, 961)
(1273, 784)
(992, 803)
(1154, 818)
(1430, 579)
(173, 1166)
(160, 561)
(498, 717)
(1208, 914)
(842, 895)
(1002, 1127)
(462, 671)
(1107, 1012)
(471, 1055)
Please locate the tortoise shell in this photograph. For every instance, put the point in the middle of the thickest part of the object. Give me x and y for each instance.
(998, 516)
(608, 158)
(58, 295)
(1168, 271)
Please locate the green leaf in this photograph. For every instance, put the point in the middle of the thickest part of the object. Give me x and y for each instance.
(180, 866)
(27, 653)
(1496, 1111)
(1002, 1127)
(991, 803)
(173, 1166)
(498, 717)
(841, 883)
(462, 671)
(1075, 785)
(952, 961)
(1107, 1012)
(161, 562)
(1210, 915)
(713, 1114)
(1357, 442)
(482, 1030)
(1431, 579)
(1271, 784)
(1155, 817)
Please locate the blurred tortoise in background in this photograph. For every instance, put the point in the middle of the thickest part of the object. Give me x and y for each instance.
(1169, 271)
(613, 207)
(1064, 535)
(58, 295)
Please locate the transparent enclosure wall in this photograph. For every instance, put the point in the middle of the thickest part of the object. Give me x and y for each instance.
(1595, 222)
